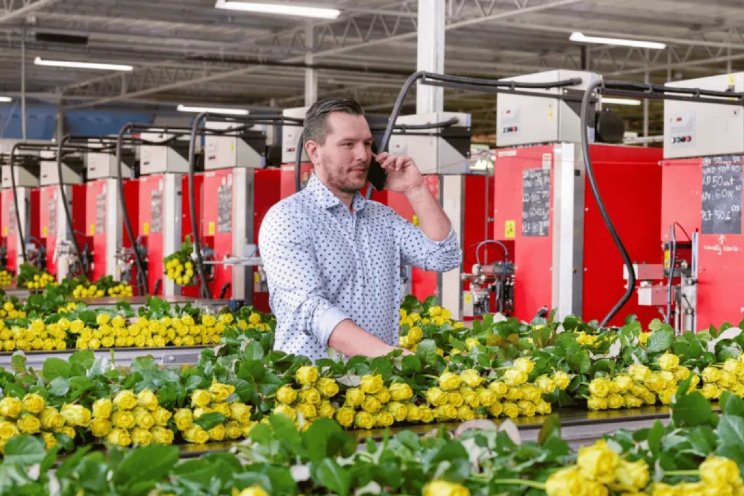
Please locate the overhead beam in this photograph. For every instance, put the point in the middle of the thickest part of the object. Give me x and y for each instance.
(13, 9)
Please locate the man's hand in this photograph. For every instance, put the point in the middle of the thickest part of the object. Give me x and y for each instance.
(402, 174)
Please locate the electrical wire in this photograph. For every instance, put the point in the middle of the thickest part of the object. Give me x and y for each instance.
(19, 228)
(65, 206)
(585, 109)
(199, 121)
(672, 263)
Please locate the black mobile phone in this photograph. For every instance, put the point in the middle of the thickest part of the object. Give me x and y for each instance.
(376, 175)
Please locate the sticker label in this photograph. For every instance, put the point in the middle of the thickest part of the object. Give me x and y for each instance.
(510, 229)
(146, 228)
(211, 228)
(92, 230)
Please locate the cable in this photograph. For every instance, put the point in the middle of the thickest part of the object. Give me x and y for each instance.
(672, 262)
(204, 287)
(66, 207)
(585, 108)
(683, 230)
(490, 242)
(19, 228)
(298, 162)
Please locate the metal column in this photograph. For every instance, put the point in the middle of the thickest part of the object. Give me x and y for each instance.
(311, 75)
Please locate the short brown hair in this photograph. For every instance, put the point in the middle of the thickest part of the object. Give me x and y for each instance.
(316, 118)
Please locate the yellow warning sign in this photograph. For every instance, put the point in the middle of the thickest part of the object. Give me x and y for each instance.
(510, 229)
(211, 228)
(667, 259)
(146, 228)
(45, 231)
(92, 230)
(468, 298)
(415, 220)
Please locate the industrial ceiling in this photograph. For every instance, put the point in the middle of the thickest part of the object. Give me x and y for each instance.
(187, 51)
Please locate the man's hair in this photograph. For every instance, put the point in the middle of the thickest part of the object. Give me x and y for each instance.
(316, 118)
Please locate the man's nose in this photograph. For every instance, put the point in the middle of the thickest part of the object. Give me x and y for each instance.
(361, 152)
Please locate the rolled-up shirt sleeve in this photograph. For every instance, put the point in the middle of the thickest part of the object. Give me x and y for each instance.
(295, 281)
(418, 250)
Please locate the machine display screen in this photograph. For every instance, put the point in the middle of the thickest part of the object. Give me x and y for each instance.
(721, 201)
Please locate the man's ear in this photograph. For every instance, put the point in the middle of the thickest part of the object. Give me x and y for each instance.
(311, 148)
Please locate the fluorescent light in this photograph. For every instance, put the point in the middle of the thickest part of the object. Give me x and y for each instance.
(620, 101)
(281, 9)
(5, 99)
(214, 110)
(82, 65)
(582, 38)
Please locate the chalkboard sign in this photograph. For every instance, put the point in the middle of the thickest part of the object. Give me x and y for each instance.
(721, 202)
(535, 202)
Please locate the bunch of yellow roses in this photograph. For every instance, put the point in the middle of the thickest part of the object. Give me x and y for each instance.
(131, 419)
(6, 278)
(237, 416)
(31, 415)
(311, 400)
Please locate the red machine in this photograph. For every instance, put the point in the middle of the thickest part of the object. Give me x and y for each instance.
(163, 208)
(27, 189)
(563, 255)
(55, 239)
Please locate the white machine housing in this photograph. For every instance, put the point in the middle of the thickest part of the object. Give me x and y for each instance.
(525, 120)
(291, 135)
(432, 153)
(231, 151)
(103, 165)
(72, 170)
(699, 129)
(155, 159)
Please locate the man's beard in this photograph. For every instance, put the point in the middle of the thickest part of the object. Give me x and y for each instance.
(345, 184)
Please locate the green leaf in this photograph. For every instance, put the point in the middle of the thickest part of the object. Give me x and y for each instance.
(412, 363)
(660, 340)
(144, 467)
(60, 386)
(330, 475)
(55, 367)
(209, 420)
(18, 361)
(24, 450)
(690, 410)
(286, 432)
(732, 404)
(427, 351)
(654, 437)
(551, 426)
(325, 438)
(731, 435)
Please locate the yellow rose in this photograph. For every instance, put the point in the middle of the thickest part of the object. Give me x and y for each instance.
(711, 374)
(143, 418)
(161, 416)
(598, 462)
(76, 415)
(511, 410)
(254, 490)
(545, 383)
(310, 395)
(711, 391)
(615, 401)
(147, 399)
(400, 391)
(427, 414)
(668, 361)
(28, 424)
(526, 408)
(524, 364)
(446, 412)
(383, 396)
(398, 410)
(286, 394)
(514, 377)
(371, 404)
(454, 398)
(543, 408)
(326, 410)
(436, 397)
(565, 482)
(307, 410)
(184, 419)
(162, 435)
(371, 384)
(486, 397)
(531, 393)
(217, 433)
(449, 381)
(33, 403)
(630, 401)
(415, 334)
(599, 387)
(286, 410)
(7, 430)
(50, 441)
(561, 379)
(10, 407)
(623, 383)
(631, 476)
(200, 398)
(102, 408)
(666, 396)
(498, 388)
(327, 387)
(307, 375)
(100, 427)
(125, 400)
(51, 420)
(240, 412)
(385, 419)
(354, 397)
(195, 434)
(220, 392)
(364, 420)
(681, 373)
(345, 416)
(717, 471)
(466, 413)
(413, 413)
(123, 419)
(471, 377)
(444, 488)
(119, 437)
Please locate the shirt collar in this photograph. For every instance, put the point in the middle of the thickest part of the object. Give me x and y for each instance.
(326, 199)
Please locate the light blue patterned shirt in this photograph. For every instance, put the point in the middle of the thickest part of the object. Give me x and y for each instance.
(326, 263)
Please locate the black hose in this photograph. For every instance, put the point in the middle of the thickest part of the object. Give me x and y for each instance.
(142, 288)
(672, 262)
(65, 206)
(19, 228)
(298, 162)
(204, 287)
(585, 110)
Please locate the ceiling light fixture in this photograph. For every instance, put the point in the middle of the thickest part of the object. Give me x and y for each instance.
(214, 110)
(5, 99)
(281, 9)
(82, 65)
(582, 38)
(620, 101)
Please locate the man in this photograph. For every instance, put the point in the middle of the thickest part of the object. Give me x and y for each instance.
(333, 258)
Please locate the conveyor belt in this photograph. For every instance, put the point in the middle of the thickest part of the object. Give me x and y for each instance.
(171, 355)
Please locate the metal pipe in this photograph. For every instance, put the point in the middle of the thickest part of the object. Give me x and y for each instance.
(192, 207)
(65, 206)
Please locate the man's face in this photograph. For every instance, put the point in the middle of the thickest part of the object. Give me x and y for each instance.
(343, 159)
